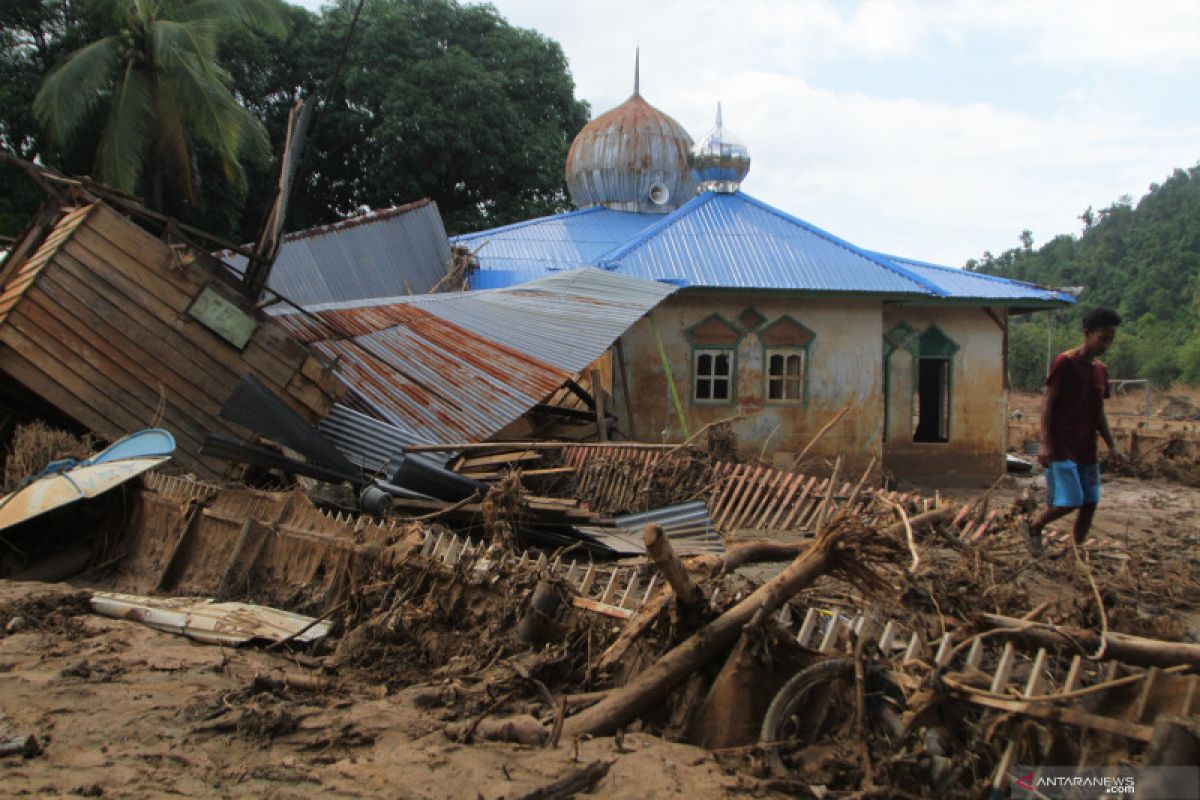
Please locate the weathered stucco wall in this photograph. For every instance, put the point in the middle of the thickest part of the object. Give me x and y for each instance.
(978, 400)
(843, 362)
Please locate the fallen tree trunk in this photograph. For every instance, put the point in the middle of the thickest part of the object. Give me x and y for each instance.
(1120, 646)
(654, 684)
(688, 594)
(764, 552)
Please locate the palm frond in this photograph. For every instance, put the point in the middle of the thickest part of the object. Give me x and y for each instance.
(128, 132)
(262, 16)
(214, 116)
(173, 148)
(72, 90)
(174, 39)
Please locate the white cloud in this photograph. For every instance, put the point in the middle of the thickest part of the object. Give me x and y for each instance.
(937, 181)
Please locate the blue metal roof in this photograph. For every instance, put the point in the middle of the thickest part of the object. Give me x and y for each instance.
(733, 240)
(382, 253)
(563, 241)
(964, 284)
(726, 241)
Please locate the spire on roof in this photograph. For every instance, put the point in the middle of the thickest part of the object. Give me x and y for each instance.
(637, 68)
(719, 161)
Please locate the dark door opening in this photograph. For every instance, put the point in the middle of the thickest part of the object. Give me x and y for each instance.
(932, 401)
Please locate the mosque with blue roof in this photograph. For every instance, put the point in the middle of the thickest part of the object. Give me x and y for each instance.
(777, 322)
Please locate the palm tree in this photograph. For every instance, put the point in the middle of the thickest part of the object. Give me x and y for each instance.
(165, 92)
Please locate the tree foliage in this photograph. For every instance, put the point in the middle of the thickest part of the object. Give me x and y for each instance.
(434, 99)
(162, 91)
(1143, 260)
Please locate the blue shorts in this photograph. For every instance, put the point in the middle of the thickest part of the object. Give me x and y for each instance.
(1071, 485)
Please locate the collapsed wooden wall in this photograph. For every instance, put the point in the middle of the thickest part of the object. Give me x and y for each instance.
(96, 322)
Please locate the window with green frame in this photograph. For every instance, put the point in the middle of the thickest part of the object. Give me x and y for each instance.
(786, 346)
(713, 371)
(785, 375)
(714, 342)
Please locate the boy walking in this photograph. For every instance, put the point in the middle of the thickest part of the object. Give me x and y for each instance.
(1072, 416)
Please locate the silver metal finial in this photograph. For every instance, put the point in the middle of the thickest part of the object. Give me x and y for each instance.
(637, 69)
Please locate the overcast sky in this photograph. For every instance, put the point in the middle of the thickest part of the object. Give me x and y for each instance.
(930, 129)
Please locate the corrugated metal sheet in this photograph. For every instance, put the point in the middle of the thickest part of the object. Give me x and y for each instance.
(727, 241)
(385, 253)
(370, 443)
(563, 241)
(732, 240)
(962, 284)
(461, 366)
(687, 525)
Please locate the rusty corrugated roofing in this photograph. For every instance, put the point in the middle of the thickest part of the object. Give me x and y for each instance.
(459, 367)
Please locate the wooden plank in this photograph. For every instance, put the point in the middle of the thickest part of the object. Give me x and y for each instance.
(29, 374)
(74, 374)
(91, 247)
(147, 261)
(91, 358)
(315, 371)
(136, 321)
(786, 523)
(151, 373)
(502, 458)
(139, 344)
(314, 404)
(79, 379)
(767, 483)
(197, 339)
(598, 607)
(781, 499)
(725, 496)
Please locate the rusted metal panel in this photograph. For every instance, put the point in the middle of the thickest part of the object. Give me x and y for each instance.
(459, 367)
(619, 158)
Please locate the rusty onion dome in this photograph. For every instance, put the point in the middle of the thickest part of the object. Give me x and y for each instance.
(632, 158)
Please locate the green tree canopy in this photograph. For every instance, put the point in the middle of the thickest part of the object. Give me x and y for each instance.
(1143, 260)
(435, 99)
(162, 91)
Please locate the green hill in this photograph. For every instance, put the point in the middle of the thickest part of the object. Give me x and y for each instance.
(1143, 260)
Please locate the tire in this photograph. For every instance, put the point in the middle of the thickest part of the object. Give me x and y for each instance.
(800, 687)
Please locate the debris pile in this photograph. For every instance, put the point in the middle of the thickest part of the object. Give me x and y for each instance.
(382, 524)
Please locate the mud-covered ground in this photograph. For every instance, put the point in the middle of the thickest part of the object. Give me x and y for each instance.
(120, 710)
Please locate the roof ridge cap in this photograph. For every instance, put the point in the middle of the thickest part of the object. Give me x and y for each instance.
(876, 258)
(608, 260)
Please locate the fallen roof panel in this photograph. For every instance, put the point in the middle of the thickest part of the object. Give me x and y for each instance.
(461, 366)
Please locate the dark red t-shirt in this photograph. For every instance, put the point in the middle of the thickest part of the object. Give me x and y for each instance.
(1081, 386)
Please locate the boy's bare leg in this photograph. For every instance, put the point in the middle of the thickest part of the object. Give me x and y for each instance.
(1083, 522)
(1034, 530)
(1049, 515)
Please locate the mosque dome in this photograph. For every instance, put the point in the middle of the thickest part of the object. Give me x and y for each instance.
(632, 158)
(719, 161)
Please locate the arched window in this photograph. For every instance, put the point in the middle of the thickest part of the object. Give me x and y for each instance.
(714, 343)
(785, 361)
